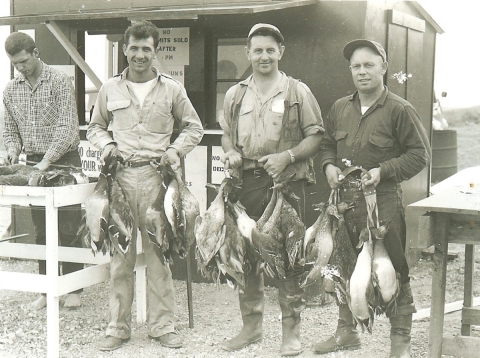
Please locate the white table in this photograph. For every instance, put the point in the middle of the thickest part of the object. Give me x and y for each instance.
(52, 284)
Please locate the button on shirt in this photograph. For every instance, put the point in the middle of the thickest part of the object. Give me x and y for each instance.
(389, 135)
(260, 123)
(42, 119)
(144, 131)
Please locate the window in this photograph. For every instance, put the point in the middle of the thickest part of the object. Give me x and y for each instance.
(232, 66)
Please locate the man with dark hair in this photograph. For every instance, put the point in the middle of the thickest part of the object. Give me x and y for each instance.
(41, 119)
(272, 126)
(140, 107)
(382, 133)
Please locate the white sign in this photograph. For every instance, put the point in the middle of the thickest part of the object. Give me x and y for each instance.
(196, 174)
(90, 157)
(174, 45)
(217, 166)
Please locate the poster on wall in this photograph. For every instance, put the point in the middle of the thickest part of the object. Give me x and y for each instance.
(174, 46)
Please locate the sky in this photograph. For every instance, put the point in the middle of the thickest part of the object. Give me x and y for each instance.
(457, 50)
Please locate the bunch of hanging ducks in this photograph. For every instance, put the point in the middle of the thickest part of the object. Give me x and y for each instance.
(220, 247)
(170, 219)
(228, 240)
(367, 282)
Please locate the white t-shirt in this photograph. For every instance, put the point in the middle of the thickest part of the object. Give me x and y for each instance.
(364, 109)
(141, 89)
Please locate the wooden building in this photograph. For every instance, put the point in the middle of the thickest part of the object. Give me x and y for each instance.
(202, 38)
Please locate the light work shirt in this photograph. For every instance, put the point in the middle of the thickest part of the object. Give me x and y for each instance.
(144, 131)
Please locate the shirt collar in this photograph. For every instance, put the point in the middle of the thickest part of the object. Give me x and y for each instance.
(44, 75)
(123, 74)
(379, 102)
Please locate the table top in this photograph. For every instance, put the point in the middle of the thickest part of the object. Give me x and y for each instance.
(454, 200)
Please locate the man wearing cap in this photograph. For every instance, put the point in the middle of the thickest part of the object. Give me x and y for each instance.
(381, 132)
(272, 126)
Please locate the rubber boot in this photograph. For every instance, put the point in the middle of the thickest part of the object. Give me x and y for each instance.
(346, 337)
(292, 303)
(251, 307)
(402, 323)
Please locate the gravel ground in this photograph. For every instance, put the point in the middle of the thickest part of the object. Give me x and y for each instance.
(216, 318)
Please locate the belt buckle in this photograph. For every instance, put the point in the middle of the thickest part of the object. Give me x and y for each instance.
(256, 173)
(127, 164)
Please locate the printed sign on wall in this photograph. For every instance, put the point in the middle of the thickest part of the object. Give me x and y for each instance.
(174, 45)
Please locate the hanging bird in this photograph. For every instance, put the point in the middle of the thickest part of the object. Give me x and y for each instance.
(385, 279)
(343, 256)
(94, 224)
(121, 221)
(310, 250)
(156, 222)
(321, 250)
(175, 214)
(360, 291)
(191, 210)
(210, 229)
(293, 231)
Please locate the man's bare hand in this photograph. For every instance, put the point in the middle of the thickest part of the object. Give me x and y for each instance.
(275, 164)
(12, 158)
(374, 177)
(109, 148)
(172, 159)
(332, 173)
(233, 158)
(43, 164)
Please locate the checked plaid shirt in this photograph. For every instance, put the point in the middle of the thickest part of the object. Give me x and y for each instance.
(42, 119)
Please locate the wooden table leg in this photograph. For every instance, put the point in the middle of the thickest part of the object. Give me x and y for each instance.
(438, 285)
(468, 284)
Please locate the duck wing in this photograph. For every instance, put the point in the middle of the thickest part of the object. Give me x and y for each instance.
(293, 231)
(190, 211)
(121, 221)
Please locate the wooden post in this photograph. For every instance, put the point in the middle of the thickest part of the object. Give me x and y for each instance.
(468, 285)
(53, 314)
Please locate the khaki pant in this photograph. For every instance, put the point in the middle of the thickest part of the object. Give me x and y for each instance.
(141, 186)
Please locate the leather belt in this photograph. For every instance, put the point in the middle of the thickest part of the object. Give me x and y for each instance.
(136, 164)
(249, 164)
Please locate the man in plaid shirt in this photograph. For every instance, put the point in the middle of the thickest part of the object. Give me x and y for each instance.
(41, 118)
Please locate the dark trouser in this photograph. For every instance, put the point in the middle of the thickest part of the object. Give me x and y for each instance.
(69, 218)
(255, 195)
(390, 209)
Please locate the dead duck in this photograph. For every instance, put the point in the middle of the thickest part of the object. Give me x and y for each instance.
(94, 225)
(343, 256)
(121, 221)
(156, 222)
(175, 214)
(190, 211)
(210, 229)
(321, 250)
(17, 174)
(309, 248)
(360, 292)
(385, 279)
(293, 231)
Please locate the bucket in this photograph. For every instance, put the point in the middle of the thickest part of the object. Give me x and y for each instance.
(444, 154)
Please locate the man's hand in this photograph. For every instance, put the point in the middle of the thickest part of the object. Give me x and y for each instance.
(275, 164)
(374, 177)
(12, 158)
(109, 148)
(332, 172)
(43, 165)
(233, 158)
(172, 159)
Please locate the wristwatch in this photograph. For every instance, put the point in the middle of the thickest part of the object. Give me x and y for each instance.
(292, 157)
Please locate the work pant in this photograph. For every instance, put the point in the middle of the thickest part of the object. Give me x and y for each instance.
(390, 209)
(69, 218)
(254, 196)
(141, 186)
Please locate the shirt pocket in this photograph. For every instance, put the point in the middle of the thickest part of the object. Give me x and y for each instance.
(273, 127)
(245, 122)
(381, 147)
(122, 119)
(162, 120)
(49, 114)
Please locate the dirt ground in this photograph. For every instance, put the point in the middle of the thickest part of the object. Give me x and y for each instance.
(216, 318)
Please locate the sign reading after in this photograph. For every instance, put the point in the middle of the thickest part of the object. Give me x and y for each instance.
(173, 47)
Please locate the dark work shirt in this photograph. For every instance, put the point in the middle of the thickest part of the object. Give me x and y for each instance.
(390, 135)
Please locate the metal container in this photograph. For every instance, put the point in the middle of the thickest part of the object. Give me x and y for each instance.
(444, 154)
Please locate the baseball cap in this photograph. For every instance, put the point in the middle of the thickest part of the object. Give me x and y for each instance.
(273, 30)
(353, 45)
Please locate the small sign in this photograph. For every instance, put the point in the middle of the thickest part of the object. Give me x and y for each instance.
(174, 45)
(90, 157)
(217, 166)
